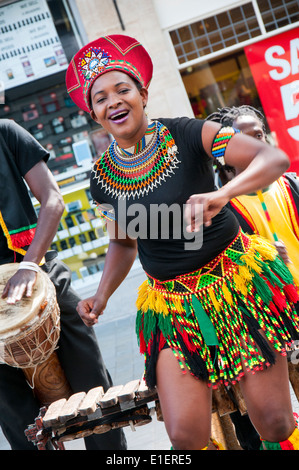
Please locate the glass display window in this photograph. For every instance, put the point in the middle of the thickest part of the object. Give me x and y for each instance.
(49, 103)
(223, 82)
(30, 112)
(78, 119)
(58, 125)
(38, 131)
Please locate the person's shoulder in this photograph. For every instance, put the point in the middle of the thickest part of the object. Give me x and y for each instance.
(292, 180)
(10, 128)
(291, 175)
(7, 124)
(182, 124)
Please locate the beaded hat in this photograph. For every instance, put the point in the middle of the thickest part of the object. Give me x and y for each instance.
(115, 52)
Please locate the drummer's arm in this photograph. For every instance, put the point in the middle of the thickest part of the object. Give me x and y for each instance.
(44, 187)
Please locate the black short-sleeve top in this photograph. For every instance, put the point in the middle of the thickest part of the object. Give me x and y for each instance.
(151, 209)
(19, 153)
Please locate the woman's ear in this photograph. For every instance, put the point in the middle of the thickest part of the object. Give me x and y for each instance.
(144, 95)
(93, 116)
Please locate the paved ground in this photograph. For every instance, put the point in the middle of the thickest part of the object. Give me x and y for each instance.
(116, 335)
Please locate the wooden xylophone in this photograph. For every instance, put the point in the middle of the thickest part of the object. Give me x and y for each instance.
(94, 412)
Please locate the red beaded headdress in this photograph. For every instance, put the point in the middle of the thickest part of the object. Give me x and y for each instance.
(115, 52)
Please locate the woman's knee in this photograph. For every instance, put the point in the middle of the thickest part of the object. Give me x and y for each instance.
(185, 437)
(186, 404)
(277, 425)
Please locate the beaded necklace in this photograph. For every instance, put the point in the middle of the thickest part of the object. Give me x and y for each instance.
(125, 173)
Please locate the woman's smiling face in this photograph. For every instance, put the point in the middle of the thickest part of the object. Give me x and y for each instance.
(118, 106)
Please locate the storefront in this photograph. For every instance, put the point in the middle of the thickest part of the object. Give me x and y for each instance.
(33, 73)
(247, 54)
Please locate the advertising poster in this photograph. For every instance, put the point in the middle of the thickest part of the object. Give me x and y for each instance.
(30, 47)
(274, 63)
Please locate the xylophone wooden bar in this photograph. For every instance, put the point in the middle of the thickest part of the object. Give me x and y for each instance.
(89, 403)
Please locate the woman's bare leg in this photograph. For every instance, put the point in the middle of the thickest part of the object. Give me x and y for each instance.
(268, 400)
(186, 404)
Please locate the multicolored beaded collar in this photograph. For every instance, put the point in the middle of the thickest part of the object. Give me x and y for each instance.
(136, 171)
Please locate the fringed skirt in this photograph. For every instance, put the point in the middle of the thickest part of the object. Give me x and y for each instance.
(212, 318)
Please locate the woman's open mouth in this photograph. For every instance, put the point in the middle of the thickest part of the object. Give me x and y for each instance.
(119, 116)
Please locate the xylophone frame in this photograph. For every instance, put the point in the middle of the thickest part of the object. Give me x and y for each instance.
(94, 412)
(83, 414)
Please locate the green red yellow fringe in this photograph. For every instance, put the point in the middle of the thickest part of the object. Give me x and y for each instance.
(18, 239)
(211, 318)
(292, 443)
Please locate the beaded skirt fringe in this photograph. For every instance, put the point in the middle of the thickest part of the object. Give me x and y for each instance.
(211, 318)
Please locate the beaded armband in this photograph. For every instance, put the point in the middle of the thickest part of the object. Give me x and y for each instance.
(221, 141)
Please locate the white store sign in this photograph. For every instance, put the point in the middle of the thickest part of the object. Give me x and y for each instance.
(30, 47)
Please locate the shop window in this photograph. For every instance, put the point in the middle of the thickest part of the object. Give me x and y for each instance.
(82, 238)
(75, 276)
(92, 235)
(93, 269)
(72, 242)
(215, 33)
(84, 272)
(88, 194)
(63, 245)
(222, 82)
(223, 21)
(202, 43)
(69, 221)
(180, 53)
(80, 219)
(278, 13)
(101, 265)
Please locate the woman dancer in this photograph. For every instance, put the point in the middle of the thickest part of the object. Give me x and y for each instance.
(205, 315)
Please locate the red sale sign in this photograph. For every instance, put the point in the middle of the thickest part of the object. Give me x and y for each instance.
(274, 63)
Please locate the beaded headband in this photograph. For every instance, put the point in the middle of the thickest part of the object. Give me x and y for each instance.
(115, 52)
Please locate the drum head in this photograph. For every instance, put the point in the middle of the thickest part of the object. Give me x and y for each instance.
(14, 317)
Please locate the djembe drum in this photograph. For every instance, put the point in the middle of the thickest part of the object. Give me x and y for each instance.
(29, 333)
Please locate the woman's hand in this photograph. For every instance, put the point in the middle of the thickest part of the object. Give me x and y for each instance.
(90, 309)
(282, 251)
(201, 208)
(20, 284)
(119, 259)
